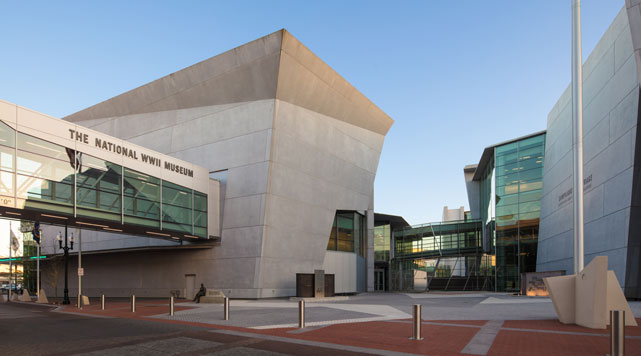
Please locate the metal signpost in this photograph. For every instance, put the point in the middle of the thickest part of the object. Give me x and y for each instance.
(81, 271)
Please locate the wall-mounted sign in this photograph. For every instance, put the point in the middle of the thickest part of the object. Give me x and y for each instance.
(128, 152)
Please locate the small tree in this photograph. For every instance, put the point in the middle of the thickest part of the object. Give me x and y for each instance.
(52, 272)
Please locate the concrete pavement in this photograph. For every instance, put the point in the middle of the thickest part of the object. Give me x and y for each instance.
(372, 323)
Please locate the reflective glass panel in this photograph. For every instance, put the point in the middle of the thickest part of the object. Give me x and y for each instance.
(141, 198)
(176, 208)
(98, 185)
(7, 135)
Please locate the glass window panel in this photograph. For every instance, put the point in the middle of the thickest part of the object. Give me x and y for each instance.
(98, 185)
(532, 141)
(34, 188)
(525, 187)
(508, 189)
(200, 231)
(176, 207)
(63, 192)
(531, 175)
(506, 158)
(141, 221)
(531, 164)
(508, 179)
(331, 244)
(44, 148)
(200, 219)
(175, 195)
(530, 153)
(529, 219)
(200, 202)
(7, 135)
(141, 198)
(507, 200)
(528, 207)
(6, 158)
(532, 195)
(506, 148)
(6, 183)
(44, 167)
(507, 210)
(507, 169)
(345, 233)
(506, 221)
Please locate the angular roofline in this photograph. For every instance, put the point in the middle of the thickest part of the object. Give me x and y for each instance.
(488, 152)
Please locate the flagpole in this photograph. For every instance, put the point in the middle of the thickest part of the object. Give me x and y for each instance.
(577, 118)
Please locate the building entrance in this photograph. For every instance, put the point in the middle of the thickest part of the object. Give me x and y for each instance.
(190, 286)
(379, 280)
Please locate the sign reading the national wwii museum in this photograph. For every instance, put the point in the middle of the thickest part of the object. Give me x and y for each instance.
(128, 152)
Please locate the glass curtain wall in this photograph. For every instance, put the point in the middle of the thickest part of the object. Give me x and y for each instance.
(347, 233)
(382, 243)
(519, 181)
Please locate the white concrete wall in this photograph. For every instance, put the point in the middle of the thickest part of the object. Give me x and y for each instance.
(343, 266)
(610, 103)
(318, 165)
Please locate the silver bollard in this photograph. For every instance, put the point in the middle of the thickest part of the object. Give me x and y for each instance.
(617, 332)
(171, 306)
(301, 314)
(416, 313)
(102, 302)
(133, 303)
(226, 308)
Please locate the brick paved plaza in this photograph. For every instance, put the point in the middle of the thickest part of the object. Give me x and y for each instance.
(453, 324)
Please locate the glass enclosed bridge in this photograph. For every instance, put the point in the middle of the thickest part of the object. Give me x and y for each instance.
(447, 255)
(59, 173)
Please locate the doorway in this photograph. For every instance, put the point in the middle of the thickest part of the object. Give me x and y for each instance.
(379, 280)
(190, 286)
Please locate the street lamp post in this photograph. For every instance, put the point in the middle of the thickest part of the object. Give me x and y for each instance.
(65, 298)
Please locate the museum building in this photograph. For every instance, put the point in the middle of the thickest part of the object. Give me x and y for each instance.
(520, 192)
(280, 147)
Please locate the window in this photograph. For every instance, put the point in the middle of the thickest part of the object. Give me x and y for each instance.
(176, 208)
(347, 233)
(98, 188)
(141, 199)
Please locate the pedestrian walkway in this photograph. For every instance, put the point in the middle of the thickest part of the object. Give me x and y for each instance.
(475, 324)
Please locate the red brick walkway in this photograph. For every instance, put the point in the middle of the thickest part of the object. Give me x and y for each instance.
(515, 337)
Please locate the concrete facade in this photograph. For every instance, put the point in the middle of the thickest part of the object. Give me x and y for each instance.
(611, 160)
(290, 141)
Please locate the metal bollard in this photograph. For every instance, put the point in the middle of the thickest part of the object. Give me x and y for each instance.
(171, 306)
(617, 332)
(102, 302)
(133, 303)
(301, 314)
(416, 313)
(226, 308)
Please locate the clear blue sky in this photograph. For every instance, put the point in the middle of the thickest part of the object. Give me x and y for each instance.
(456, 76)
